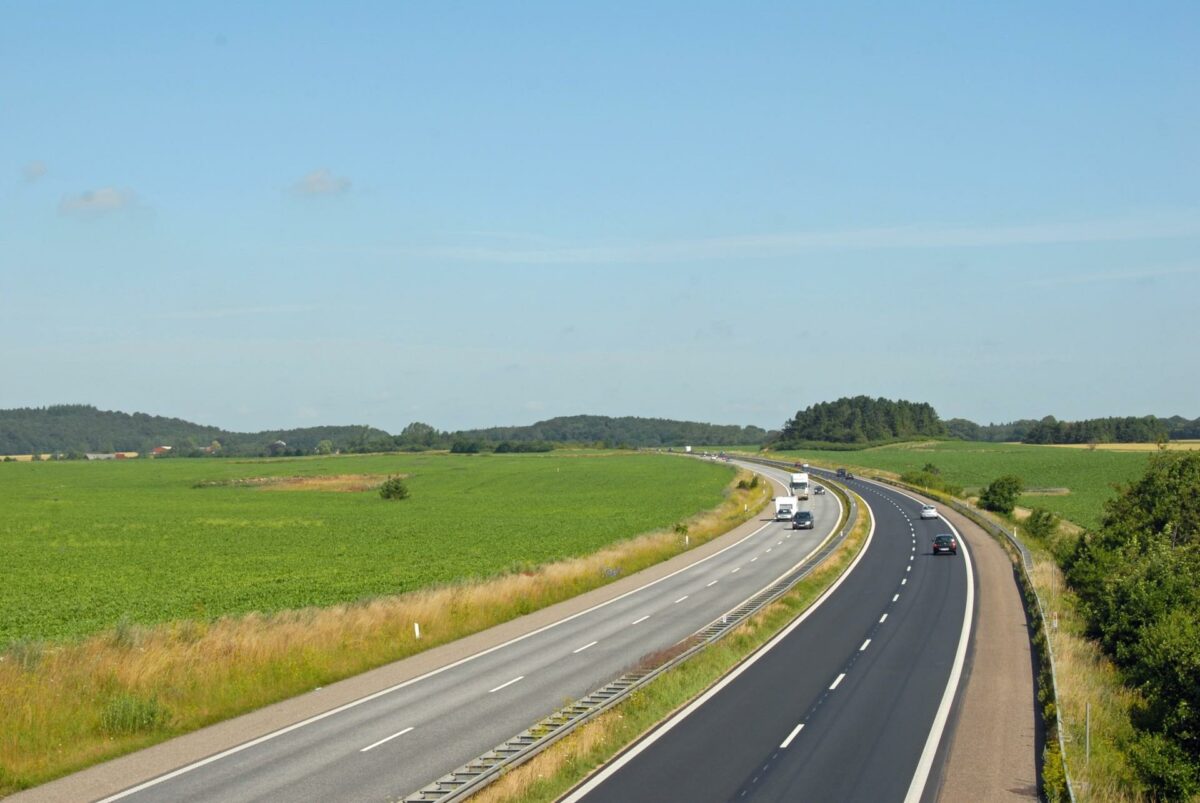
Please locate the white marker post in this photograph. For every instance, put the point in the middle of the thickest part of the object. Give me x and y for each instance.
(417, 630)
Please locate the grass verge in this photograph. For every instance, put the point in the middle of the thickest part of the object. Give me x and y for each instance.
(65, 707)
(560, 767)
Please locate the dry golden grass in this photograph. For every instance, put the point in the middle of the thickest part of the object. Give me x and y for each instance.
(66, 707)
(1132, 447)
(1084, 676)
(341, 483)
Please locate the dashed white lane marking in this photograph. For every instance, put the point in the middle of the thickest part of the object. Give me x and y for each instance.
(895, 598)
(584, 647)
(910, 557)
(639, 621)
(754, 558)
(836, 682)
(386, 739)
(777, 543)
(505, 685)
(770, 548)
(713, 583)
(905, 580)
(792, 735)
(681, 599)
(864, 646)
(908, 568)
(883, 619)
(738, 569)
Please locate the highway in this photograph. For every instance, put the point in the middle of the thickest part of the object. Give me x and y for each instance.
(848, 706)
(397, 740)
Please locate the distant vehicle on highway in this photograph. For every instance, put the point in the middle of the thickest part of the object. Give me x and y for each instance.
(785, 507)
(803, 520)
(841, 473)
(799, 485)
(928, 512)
(818, 489)
(945, 543)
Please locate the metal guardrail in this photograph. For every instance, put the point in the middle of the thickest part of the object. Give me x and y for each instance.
(481, 771)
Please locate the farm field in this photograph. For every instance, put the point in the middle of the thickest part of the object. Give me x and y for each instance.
(1075, 482)
(91, 545)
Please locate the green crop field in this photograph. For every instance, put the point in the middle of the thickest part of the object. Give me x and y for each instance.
(1086, 476)
(87, 545)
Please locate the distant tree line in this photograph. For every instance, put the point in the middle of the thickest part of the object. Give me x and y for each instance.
(861, 419)
(73, 430)
(1129, 429)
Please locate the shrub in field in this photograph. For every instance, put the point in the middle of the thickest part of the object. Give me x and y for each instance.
(932, 480)
(1041, 523)
(1001, 495)
(394, 488)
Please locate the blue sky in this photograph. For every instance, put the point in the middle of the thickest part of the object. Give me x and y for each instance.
(480, 214)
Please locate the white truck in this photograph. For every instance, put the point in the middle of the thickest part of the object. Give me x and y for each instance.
(785, 507)
(799, 485)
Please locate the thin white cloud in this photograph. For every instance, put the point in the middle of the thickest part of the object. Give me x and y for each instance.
(96, 202)
(34, 170)
(759, 246)
(321, 182)
(1143, 275)
(231, 312)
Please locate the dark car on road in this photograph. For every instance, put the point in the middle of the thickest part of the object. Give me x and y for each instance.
(945, 543)
(820, 489)
(803, 520)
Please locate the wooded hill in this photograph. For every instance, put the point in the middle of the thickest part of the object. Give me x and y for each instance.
(861, 420)
(75, 429)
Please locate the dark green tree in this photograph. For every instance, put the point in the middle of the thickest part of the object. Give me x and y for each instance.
(1002, 494)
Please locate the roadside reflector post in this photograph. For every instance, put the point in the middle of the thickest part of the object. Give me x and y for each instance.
(417, 630)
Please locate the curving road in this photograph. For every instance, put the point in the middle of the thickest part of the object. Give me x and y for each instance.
(397, 740)
(849, 706)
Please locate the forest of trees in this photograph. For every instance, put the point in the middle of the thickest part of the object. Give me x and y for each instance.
(1139, 579)
(1129, 429)
(861, 419)
(76, 429)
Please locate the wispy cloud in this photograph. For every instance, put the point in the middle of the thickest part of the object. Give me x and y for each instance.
(761, 246)
(96, 202)
(1142, 276)
(321, 182)
(34, 170)
(232, 312)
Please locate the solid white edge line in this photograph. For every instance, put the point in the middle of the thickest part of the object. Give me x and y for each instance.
(266, 737)
(584, 647)
(383, 741)
(639, 621)
(603, 774)
(837, 681)
(916, 787)
(506, 684)
(795, 732)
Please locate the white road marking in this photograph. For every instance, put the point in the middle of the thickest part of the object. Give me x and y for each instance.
(792, 735)
(753, 558)
(777, 543)
(503, 685)
(864, 646)
(713, 583)
(908, 568)
(387, 739)
(738, 569)
(836, 682)
(584, 647)
(883, 619)
(905, 580)
(639, 621)
(681, 599)
(770, 548)
(896, 597)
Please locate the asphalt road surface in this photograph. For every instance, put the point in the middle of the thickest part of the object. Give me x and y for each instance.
(849, 705)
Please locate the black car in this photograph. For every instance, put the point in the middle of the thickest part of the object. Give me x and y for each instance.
(945, 543)
(820, 489)
(803, 520)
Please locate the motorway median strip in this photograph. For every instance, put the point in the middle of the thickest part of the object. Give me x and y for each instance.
(570, 757)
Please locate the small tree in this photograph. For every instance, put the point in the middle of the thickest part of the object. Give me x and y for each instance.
(393, 488)
(325, 446)
(1001, 495)
(930, 468)
(1041, 523)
